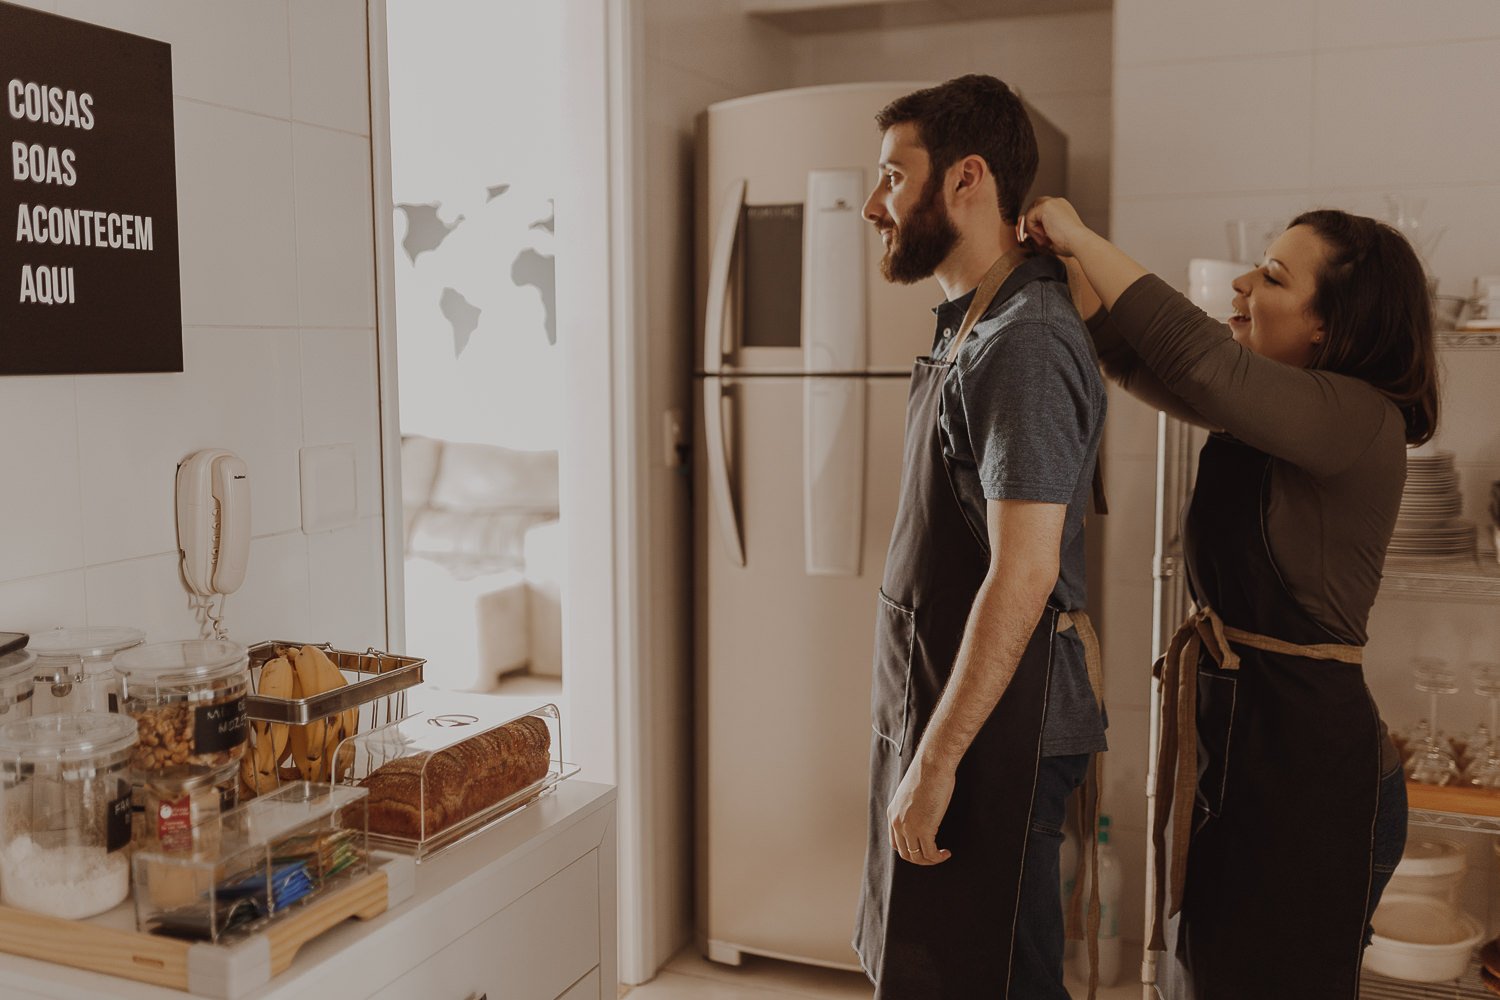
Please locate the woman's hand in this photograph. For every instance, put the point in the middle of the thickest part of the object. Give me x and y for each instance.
(1054, 225)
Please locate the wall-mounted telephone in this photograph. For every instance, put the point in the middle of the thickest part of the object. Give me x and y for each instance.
(213, 521)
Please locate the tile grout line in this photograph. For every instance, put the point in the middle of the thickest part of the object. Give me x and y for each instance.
(82, 544)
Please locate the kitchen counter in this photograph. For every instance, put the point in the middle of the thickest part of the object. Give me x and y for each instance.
(524, 911)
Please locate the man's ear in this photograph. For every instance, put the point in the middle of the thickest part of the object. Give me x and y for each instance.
(967, 175)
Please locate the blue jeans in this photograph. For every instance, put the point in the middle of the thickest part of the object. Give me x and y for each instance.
(1037, 962)
(1390, 838)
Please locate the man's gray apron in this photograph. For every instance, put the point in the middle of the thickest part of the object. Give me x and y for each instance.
(945, 932)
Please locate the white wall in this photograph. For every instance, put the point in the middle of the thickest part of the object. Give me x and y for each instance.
(476, 103)
(1060, 63)
(274, 209)
(1229, 109)
(696, 52)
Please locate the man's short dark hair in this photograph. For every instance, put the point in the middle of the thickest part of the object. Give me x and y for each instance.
(972, 114)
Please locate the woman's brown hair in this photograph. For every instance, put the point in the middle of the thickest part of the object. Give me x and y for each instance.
(1373, 300)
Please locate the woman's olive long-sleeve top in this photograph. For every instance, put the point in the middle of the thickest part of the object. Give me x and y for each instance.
(1338, 445)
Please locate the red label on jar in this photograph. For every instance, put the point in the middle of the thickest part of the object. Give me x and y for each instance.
(174, 825)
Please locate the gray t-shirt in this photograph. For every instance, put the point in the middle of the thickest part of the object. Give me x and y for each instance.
(1023, 410)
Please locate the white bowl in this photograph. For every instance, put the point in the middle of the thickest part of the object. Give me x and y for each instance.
(1421, 939)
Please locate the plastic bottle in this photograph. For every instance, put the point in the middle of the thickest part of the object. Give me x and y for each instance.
(1110, 886)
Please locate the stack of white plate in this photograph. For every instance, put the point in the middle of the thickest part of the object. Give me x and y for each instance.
(1429, 524)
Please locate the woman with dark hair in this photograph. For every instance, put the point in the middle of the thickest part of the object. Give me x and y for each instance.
(1276, 780)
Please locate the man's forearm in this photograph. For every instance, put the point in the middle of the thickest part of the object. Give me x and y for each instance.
(1000, 625)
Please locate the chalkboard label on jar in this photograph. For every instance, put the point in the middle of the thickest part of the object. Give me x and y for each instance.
(220, 726)
(117, 823)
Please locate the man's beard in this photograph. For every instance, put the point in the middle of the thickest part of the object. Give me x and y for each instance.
(922, 242)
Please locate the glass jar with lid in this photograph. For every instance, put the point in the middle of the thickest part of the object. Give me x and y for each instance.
(75, 668)
(188, 700)
(16, 683)
(65, 813)
(179, 808)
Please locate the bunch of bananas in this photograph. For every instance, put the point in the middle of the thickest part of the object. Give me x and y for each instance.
(280, 752)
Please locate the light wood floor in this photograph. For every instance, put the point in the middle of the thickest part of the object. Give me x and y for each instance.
(688, 976)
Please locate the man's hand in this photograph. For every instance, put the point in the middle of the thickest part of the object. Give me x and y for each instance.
(1054, 225)
(917, 810)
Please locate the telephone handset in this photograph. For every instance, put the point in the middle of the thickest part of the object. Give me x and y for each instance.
(213, 521)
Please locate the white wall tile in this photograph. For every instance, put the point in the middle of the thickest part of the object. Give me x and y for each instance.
(346, 585)
(713, 39)
(40, 510)
(240, 389)
(275, 602)
(1125, 766)
(1418, 134)
(1180, 128)
(1457, 217)
(1130, 526)
(335, 254)
(1055, 54)
(1357, 22)
(1130, 846)
(1085, 119)
(340, 402)
(37, 603)
(330, 59)
(234, 54)
(1125, 635)
(1129, 427)
(1163, 234)
(1469, 423)
(234, 210)
(1149, 31)
(926, 53)
(147, 594)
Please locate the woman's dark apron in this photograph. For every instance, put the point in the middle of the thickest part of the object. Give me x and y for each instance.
(1276, 874)
(944, 932)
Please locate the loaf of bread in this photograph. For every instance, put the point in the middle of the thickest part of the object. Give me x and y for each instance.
(462, 780)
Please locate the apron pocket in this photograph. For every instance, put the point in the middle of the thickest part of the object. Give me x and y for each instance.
(890, 696)
(1216, 697)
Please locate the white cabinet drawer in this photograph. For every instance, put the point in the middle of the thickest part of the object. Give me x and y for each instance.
(586, 988)
(534, 949)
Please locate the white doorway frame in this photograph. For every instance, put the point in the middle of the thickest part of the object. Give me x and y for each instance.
(606, 677)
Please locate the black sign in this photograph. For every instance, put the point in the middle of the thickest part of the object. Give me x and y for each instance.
(88, 200)
(219, 726)
(117, 823)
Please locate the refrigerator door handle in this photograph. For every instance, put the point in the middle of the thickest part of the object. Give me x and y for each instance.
(715, 399)
(719, 268)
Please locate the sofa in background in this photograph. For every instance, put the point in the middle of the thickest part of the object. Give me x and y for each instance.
(484, 561)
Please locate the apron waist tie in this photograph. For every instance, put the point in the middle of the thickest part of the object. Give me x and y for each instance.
(1177, 747)
(1090, 798)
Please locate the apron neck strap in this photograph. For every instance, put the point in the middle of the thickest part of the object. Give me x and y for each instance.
(989, 286)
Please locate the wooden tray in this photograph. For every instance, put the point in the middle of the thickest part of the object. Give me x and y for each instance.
(1464, 801)
(222, 971)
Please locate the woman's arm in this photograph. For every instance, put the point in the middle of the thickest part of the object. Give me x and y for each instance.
(1316, 420)
(1117, 357)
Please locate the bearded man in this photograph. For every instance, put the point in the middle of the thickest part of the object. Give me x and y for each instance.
(984, 706)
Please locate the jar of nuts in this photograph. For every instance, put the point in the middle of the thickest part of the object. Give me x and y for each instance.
(188, 701)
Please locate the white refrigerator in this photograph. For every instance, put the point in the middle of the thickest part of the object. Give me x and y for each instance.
(805, 354)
